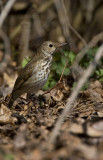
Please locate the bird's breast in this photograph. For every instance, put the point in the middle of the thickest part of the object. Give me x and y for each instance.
(43, 70)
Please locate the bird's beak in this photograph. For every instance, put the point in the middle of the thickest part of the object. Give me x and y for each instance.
(61, 44)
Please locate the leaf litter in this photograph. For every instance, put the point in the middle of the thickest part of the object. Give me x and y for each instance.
(25, 128)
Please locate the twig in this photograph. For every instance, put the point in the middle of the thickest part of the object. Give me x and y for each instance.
(45, 6)
(15, 31)
(1, 6)
(89, 10)
(70, 26)
(37, 26)
(6, 10)
(78, 35)
(62, 13)
(91, 44)
(24, 42)
(67, 111)
(63, 71)
(63, 19)
(75, 68)
(7, 52)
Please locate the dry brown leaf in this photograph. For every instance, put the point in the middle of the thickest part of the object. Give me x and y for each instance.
(88, 153)
(5, 115)
(36, 153)
(57, 95)
(100, 114)
(98, 126)
(76, 128)
(92, 130)
(20, 139)
(10, 80)
(4, 91)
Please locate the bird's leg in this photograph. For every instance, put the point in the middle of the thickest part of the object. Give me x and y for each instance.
(30, 97)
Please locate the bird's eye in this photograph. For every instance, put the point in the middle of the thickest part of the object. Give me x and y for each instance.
(50, 45)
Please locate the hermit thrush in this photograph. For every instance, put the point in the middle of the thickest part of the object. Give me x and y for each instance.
(35, 74)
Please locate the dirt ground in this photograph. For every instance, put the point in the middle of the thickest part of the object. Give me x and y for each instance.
(25, 129)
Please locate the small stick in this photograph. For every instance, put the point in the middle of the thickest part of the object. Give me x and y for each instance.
(6, 10)
(13, 101)
(7, 53)
(63, 72)
(59, 79)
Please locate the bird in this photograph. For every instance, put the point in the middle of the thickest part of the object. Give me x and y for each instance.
(35, 74)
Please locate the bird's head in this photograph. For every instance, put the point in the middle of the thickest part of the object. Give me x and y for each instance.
(49, 47)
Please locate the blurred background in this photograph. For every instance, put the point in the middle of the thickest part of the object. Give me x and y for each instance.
(36, 21)
(28, 24)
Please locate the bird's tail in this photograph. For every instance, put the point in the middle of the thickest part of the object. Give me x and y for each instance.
(13, 97)
(11, 101)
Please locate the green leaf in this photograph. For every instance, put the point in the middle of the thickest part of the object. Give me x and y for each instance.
(74, 84)
(52, 84)
(46, 86)
(25, 61)
(56, 56)
(66, 71)
(59, 69)
(101, 79)
(92, 51)
(86, 64)
(71, 57)
(66, 53)
(101, 72)
(97, 72)
(9, 156)
(63, 60)
(85, 86)
(54, 66)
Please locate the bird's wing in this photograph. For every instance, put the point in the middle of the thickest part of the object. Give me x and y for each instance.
(25, 74)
